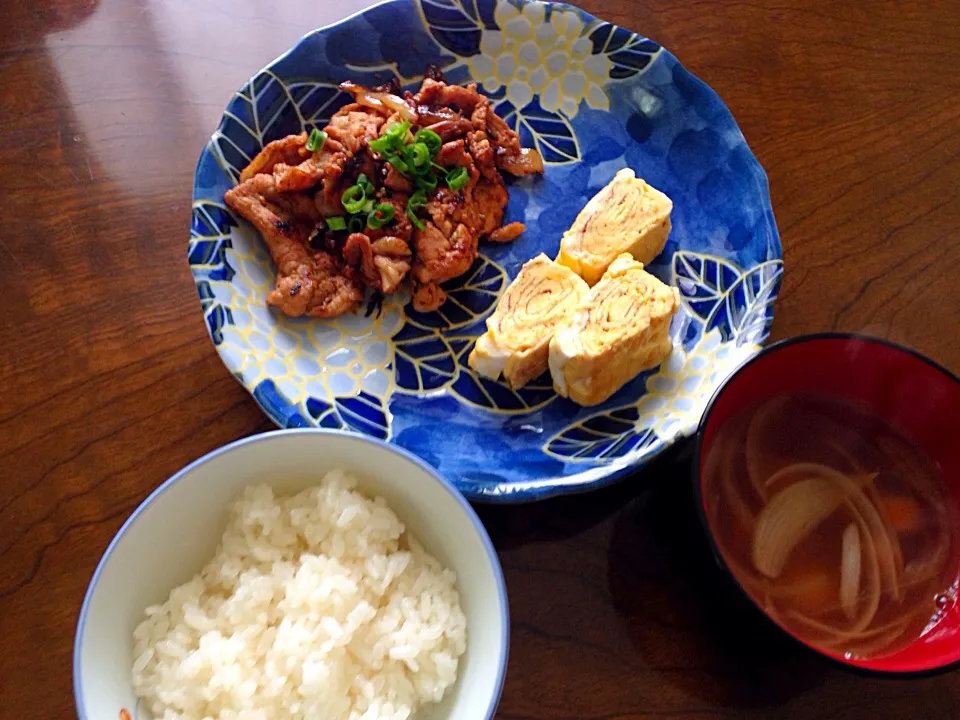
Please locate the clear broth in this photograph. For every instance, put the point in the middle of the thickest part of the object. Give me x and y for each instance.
(907, 491)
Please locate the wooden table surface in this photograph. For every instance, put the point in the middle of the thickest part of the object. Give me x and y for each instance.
(108, 382)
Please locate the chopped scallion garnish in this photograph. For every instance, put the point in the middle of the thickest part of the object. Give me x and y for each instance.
(417, 200)
(427, 181)
(420, 155)
(398, 163)
(353, 199)
(457, 178)
(381, 144)
(380, 215)
(429, 138)
(316, 140)
(364, 182)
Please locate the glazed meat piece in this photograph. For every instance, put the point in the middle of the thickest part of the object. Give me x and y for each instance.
(381, 264)
(347, 133)
(308, 282)
(447, 245)
(435, 93)
(507, 233)
(428, 297)
(288, 151)
(401, 226)
(488, 201)
(454, 154)
(451, 128)
(381, 198)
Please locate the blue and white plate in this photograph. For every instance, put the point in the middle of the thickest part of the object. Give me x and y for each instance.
(592, 98)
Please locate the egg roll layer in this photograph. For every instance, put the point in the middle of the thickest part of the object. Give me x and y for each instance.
(620, 329)
(517, 340)
(626, 216)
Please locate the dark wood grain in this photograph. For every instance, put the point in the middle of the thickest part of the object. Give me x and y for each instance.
(108, 382)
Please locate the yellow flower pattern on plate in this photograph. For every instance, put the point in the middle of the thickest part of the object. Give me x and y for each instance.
(548, 58)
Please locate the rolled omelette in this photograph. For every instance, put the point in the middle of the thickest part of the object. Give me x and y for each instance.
(626, 216)
(517, 341)
(620, 329)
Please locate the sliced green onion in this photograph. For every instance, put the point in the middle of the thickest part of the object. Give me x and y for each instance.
(438, 168)
(397, 129)
(356, 223)
(411, 155)
(398, 163)
(417, 200)
(353, 199)
(380, 216)
(392, 138)
(429, 138)
(457, 178)
(367, 206)
(420, 154)
(336, 222)
(364, 182)
(381, 144)
(316, 140)
(415, 220)
(428, 181)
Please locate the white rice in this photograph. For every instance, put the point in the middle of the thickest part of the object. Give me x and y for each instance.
(318, 605)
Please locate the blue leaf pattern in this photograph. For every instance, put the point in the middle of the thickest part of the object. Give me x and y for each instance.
(550, 132)
(629, 53)
(703, 281)
(454, 24)
(745, 313)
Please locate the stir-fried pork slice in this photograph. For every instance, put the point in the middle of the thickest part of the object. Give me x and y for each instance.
(400, 226)
(347, 133)
(428, 297)
(382, 264)
(454, 154)
(434, 93)
(393, 179)
(504, 139)
(488, 199)
(447, 244)
(292, 206)
(452, 128)
(508, 232)
(308, 282)
(440, 257)
(288, 151)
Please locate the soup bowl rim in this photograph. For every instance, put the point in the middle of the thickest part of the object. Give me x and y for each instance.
(696, 478)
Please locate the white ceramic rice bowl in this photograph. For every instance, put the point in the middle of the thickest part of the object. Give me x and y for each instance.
(175, 531)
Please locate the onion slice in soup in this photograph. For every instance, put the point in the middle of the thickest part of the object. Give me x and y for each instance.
(890, 570)
(790, 516)
(888, 546)
(850, 571)
(873, 573)
(735, 500)
(754, 443)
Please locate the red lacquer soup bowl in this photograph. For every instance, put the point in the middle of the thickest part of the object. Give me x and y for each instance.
(910, 391)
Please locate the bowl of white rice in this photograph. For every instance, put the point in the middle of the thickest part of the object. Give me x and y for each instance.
(296, 574)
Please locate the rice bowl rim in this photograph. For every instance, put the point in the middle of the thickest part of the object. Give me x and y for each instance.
(479, 530)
